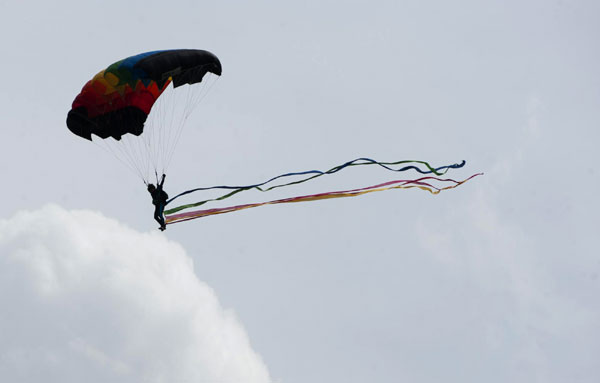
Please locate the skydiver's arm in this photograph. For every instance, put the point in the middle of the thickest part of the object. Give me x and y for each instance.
(162, 181)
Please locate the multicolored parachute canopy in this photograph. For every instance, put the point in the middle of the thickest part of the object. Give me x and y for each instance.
(118, 100)
(116, 103)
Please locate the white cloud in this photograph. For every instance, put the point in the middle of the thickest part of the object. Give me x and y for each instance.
(84, 298)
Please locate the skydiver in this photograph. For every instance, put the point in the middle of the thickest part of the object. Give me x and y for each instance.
(159, 200)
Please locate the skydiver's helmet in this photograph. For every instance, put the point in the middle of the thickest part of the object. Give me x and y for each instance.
(151, 188)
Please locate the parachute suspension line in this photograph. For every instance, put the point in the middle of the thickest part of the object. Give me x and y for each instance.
(108, 149)
(128, 152)
(127, 155)
(168, 127)
(178, 125)
(195, 97)
(129, 145)
(156, 124)
(143, 151)
(153, 130)
(128, 148)
(148, 157)
(125, 147)
(167, 119)
(163, 121)
(177, 120)
(157, 128)
(155, 121)
(171, 101)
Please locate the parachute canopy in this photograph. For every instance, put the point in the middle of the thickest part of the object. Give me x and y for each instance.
(118, 100)
(136, 108)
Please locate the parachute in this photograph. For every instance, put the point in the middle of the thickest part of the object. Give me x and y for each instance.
(114, 108)
(136, 109)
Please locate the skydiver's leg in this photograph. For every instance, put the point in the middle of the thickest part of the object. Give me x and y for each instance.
(158, 215)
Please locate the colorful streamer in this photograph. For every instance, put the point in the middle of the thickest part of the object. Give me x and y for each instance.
(420, 183)
(314, 174)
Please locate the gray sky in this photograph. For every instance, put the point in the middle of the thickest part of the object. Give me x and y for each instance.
(494, 281)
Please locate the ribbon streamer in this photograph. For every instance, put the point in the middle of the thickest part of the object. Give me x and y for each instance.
(315, 173)
(420, 183)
